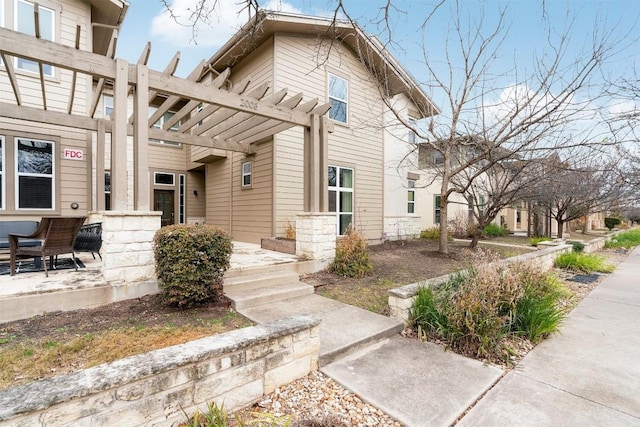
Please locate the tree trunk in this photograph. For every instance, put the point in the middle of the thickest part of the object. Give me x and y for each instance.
(474, 239)
(443, 243)
(560, 228)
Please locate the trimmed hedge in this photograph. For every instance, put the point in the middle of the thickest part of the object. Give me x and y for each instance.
(190, 263)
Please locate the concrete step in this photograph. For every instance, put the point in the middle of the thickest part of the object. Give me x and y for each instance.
(344, 328)
(248, 298)
(300, 267)
(259, 280)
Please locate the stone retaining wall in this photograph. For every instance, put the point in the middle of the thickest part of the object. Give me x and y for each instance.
(278, 244)
(156, 388)
(402, 227)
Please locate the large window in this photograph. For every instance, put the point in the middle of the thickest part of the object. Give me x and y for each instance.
(341, 196)
(35, 174)
(160, 124)
(338, 97)
(411, 199)
(25, 23)
(436, 209)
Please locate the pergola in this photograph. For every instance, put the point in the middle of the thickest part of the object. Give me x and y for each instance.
(207, 114)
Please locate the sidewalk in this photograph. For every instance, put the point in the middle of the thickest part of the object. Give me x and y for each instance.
(588, 374)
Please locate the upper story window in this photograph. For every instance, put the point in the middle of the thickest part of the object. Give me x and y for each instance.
(107, 100)
(411, 135)
(25, 23)
(338, 97)
(160, 124)
(436, 209)
(35, 174)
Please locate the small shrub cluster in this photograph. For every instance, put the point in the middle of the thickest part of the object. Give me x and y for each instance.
(535, 240)
(476, 311)
(611, 222)
(190, 263)
(582, 263)
(577, 246)
(461, 228)
(626, 240)
(494, 230)
(433, 233)
(352, 255)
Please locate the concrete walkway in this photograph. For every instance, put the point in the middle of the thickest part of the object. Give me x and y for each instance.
(588, 374)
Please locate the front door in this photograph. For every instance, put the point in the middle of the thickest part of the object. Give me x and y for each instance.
(163, 201)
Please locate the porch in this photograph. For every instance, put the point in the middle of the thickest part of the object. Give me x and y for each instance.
(29, 294)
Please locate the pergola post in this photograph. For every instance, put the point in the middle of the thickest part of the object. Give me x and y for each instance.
(140, 138)
(100, 151)
(119, 138)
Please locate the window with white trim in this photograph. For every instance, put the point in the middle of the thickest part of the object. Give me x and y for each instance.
(436, 208)
(107, 190)
(35, 174)
(338, 98)
(341, 197)
(411, 135)
(160, 124)
(107, 101)
(2, 157)
(25, 23)
(411, 196)
(163, 178)
(247, 171)
(181, 198)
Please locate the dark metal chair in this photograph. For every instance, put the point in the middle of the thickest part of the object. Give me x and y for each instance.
(58, 235)
(89, 239)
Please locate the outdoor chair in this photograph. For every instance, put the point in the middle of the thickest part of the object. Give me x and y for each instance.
(89, 239)
(58, 235)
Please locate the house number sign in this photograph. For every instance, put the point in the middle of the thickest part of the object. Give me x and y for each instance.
(72, 154)
(247, 103)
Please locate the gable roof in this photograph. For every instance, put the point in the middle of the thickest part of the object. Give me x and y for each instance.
(371, 52)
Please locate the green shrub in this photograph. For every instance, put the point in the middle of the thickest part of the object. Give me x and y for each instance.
(473, 312)
(626, 240)
(611, 222)
(190, 263)
(577, 246)
(352, 256)
(583, 263)
(494, 230)
(535, 240)
(433, 233)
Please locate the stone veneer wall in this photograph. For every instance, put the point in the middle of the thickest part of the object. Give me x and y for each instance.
(402, 227)
(316, 236)
(153, 389)
(127, 244)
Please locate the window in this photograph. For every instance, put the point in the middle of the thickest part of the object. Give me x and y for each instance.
(341, 196)
(338, 95)
(411, 200)
(160, 124)
(108, 105)
(25, 23)
(34, 183)
(411, 136)
(181, 197)
(2, 180)
(436, 209)
(246, 174)
(107, 190)
(161, 178)
(429, 157)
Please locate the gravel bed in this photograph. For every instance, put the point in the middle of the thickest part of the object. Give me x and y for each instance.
(316, 400)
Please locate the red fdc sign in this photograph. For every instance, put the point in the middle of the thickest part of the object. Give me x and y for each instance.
(72, 154)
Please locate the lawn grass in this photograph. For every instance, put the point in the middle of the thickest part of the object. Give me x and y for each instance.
(583, 263)
(371, 294)
(27, 361)
(626, 240)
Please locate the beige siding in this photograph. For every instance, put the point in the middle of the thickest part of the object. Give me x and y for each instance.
(196, 205)
(252, 207)
(167, 157)
(258, 66)
(218, 197)
(359, 145)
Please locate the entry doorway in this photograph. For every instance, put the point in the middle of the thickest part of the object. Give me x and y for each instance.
(164, 202)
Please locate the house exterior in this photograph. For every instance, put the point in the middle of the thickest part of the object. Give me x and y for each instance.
(260, 195)
(42, 166)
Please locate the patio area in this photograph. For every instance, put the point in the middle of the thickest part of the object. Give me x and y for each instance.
(31, 293)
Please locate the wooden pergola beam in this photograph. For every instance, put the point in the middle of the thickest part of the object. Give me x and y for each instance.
(101, 81)
(74, 75)
(8, 65)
